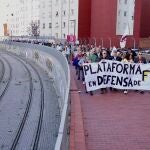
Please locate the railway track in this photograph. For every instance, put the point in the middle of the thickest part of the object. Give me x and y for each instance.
(21, 126)
(9, 78)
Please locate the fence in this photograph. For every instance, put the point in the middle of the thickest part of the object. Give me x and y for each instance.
(55, 64)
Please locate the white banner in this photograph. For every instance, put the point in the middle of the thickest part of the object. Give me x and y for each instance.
(116, 74)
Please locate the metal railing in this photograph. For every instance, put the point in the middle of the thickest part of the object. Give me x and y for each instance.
(55, 64)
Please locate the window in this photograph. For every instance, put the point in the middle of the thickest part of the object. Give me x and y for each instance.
(64, 24)
(72, 24)
(125, 1)
(56, 13)
(64, 12)
(43, 25)
(56, 26)
(125, 13)
(50, 25)
(72, 11)
(64, 35)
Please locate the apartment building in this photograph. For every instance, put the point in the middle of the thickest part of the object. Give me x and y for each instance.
(59, 18)
(17, 16)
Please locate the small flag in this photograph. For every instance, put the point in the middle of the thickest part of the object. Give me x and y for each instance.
(123, 39)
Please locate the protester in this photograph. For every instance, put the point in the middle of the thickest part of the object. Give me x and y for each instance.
(114, 56)
(126, 59)
(93, 57)
(82, 60)
(132, 52)
(68, 53)
(103, 57)
(142, 60)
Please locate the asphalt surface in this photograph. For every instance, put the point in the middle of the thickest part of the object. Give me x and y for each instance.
(14, 101)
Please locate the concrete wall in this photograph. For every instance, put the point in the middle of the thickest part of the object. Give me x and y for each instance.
(56, 65)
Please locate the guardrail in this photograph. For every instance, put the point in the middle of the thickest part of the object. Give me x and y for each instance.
(55, 64)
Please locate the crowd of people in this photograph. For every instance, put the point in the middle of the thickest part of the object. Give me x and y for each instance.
(86, 53)
(80, 54)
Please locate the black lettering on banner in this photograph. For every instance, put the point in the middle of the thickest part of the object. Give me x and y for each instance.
(132, 68)
(99, 80)
(104, 65)
(113, 66)
(108, 78)
(92, 83)
(119, 68)
(113, 80)
(139, 83)
(125, 82)
(109, 68)
(138, 70)
(119, 81)
(92, 72)
(105, 79)
(126, 66)
(135, 82)
(86, 68)
(130, 83)
(99, 69)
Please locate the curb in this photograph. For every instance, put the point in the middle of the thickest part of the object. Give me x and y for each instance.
(77, 135)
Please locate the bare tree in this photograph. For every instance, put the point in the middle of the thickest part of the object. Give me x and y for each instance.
(34, 29)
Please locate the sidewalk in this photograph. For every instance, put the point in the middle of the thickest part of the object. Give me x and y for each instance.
(114, 121)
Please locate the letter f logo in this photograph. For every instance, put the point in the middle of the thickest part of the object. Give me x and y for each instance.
(145, 74)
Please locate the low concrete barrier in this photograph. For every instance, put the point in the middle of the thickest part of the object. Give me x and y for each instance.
(55, 64)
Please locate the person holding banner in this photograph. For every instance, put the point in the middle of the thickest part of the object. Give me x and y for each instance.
(115, 56)
(103, 57)
(140, 59)
(82, 60)
(126, 59)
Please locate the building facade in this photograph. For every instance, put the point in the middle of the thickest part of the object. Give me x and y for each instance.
(102, 20)
(18, 16)
(110, 19)
(59, 18)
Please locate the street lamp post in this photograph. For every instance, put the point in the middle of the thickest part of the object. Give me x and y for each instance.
(102, 42)
(94, 41)
(133, 42)
(109, 42)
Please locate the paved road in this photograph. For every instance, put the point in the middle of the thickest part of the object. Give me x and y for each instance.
(115, 121)
(25, 85)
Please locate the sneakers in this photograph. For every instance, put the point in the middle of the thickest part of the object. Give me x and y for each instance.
(125, 92)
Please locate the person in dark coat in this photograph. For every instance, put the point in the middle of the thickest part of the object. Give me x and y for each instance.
(140, 59)
(115, 57)
(104, 56)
